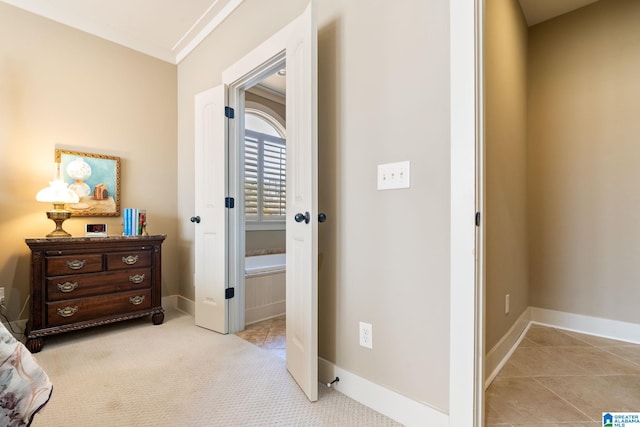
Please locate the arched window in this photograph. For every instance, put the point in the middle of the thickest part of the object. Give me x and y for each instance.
(265, 161)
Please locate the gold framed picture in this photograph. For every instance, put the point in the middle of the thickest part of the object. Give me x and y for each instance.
(96, 180)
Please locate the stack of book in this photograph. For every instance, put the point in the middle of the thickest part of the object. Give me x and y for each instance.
(135, 221)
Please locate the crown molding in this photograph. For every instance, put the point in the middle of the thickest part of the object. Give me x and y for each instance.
(212, 19)
(204, 25)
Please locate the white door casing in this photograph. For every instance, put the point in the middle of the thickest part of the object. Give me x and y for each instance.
(466, 351)
(210, 233)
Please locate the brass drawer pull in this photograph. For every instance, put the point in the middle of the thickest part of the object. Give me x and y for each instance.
(130, 260)
(67, 286)
(76, 264)
(137, 300)
(67, 311)
(138, 278)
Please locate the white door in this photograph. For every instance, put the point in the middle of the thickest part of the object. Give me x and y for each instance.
(298, 41)
(302, 198)
(210, 227)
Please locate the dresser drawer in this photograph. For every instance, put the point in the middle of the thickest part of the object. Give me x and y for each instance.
(82, 282)
(84, 285)
(73, 264)
(124, 260)
(81, 309)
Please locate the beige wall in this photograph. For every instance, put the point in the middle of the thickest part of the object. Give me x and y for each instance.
(505, 166)
(60, 87)
(384, 256)
(583, 161)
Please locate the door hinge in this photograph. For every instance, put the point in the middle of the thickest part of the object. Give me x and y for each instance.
(477, 219)
(229, 113)
(229, 293)
(229, 202)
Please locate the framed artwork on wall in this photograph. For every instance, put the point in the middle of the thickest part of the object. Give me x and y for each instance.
(96, 180)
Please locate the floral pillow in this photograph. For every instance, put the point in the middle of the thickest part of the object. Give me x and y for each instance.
(24, 386)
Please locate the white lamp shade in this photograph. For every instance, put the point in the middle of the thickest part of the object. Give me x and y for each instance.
(57, 192)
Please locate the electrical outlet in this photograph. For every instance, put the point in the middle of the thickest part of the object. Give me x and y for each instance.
(366, 335)
(1, 295)
(506, 304)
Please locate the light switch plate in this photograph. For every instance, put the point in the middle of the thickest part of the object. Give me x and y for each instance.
(393, 176)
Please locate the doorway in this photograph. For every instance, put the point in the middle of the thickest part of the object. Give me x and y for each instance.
(569, 168)
(262, 166)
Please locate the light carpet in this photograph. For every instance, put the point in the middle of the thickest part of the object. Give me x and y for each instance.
(176, 374)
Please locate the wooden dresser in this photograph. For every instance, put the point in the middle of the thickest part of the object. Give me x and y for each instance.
(80, 282)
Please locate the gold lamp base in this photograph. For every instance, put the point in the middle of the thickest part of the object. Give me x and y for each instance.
(58, 216)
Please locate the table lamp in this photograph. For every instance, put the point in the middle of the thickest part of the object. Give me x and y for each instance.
(58, 194)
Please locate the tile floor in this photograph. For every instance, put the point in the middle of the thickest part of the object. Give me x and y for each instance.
(269, 334)
(558, 378)
(555, 378)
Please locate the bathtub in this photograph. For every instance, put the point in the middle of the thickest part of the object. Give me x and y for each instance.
(264, 287)
(264, 264)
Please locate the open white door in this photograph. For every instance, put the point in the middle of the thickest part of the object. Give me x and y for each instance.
(297, 43)
(210, 224)
(302, 204)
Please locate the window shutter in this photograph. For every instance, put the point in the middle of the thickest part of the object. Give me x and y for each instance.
(274, 180)
(251, 161)
(265, 177)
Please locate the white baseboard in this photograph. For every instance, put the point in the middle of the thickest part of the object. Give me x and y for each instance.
(264, 312)
(606, 328)
(181, 303)
(387, 402)
(498, 356)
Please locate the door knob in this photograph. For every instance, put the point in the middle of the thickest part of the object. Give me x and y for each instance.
(322, 217)
(306, 217)
(195, 219)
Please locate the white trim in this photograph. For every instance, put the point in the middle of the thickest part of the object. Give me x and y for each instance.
(267, 114)
(270, 52)
(108, 32)
(387, 402)
(597, 326)
(466, 314)
(181, 303)
(499, 355)
(208, 29)
(264, 312)
(185, 37)
(238, 76)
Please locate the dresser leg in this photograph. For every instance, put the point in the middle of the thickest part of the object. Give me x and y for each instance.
(157, 318)
(34, 345)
